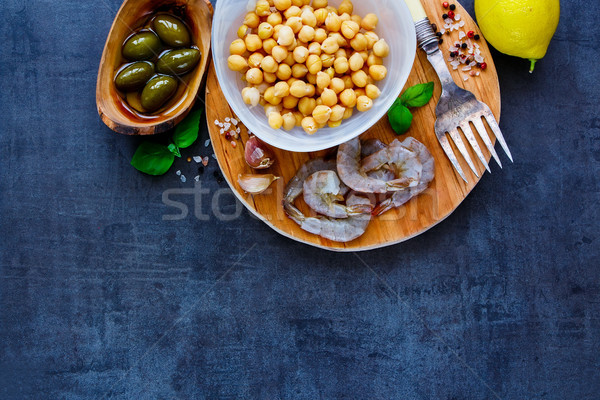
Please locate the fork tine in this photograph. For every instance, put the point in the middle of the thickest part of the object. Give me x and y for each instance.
(471, 138)
(486, 138)
(489, 117)
(463, 150)
(448, 150)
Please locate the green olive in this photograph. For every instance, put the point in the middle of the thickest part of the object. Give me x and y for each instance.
(142, 46)
(157, 91)
(178, 62)
(171, 30)
(134, 76)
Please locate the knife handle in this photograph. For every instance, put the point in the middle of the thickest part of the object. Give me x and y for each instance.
(425, 34)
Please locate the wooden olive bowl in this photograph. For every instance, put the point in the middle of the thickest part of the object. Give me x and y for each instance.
(113, 110)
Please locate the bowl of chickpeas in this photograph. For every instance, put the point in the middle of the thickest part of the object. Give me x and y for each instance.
(308, 75)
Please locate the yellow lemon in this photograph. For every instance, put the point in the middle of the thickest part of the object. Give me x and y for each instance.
(521, 28)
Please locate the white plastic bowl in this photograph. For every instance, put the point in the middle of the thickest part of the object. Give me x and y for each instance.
(395, 26)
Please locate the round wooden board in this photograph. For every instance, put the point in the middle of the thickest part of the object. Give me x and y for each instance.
(442, 197)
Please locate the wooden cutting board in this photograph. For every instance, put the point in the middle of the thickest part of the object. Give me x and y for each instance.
(442, 197)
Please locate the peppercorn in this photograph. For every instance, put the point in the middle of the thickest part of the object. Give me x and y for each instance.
(452, 54)
(471, 34)
(463, 46)
(227, 136)
(483, 66)
(445, 16)
(440, 41)
(438, 34)
(434, 27)
(451, 14)
(445, 4)
(452, 7)
(476, 37)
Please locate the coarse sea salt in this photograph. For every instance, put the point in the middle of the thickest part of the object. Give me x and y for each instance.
(197, 178)
(206, 142)
(234, 121)
(183, 179)
(197, 159)
(178, 173)
(461, 34)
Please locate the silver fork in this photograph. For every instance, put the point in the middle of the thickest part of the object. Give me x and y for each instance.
(457, 107)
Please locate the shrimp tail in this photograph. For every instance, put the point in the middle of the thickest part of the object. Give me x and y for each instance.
(358, 209)
(383, 207)
(401, 183)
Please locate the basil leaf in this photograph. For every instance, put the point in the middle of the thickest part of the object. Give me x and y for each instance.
(186, 132)
(152, 158)
(174, 149)
(418, 95)
(400, 118)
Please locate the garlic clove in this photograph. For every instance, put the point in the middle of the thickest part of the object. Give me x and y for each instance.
(258, 154)
(256, 184)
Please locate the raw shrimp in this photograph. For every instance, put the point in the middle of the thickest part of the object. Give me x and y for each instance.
(427, 175)
(323, 190)
(338, 230)
(351, 173)
(294, 188)
(402, 161)
(372, 146)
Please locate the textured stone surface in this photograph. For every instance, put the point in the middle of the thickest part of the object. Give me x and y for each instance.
(102, 298)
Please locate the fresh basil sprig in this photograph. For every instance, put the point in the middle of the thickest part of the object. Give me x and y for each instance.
(416, 96)
(155, 158)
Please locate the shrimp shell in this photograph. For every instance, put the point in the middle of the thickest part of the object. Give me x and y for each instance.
(323, 190)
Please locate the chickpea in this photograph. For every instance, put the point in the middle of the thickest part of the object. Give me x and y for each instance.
(356, 18)
(281, 89)
(329, 97)
(309, 18)
(348, 84)
(251, 96)
(364, 103)
(378, 72)
(359, 43)
(335, 124)
(349, 29)
(255, 59)
(327, 60)
(299, 71)
(374, 60)
(348, 98)
(254, 76)
(344, 17)
(346, 7)
(298, 88)
(265, 30)
(314, 64)
(372, 91)
(279, 53)
(341, 41)
(331, 72)
(275, 19)
(337, 113)
(286, 36)
(269, 77)
(320, 3)
(300, 54)
(309, 125)
(299, 117)
(359, 78)
(356, 62)
(323, 80)
(268, 45)
(381, 48)
(289, 121)
(372, 38)
(337, 85)
(271, 98)
(320, 35)
(348, 113)
(310, 90)
(276, 30)
(284, 72)
(237, 47)
(295, 23)
(306, 34)
(289, 60)
(293, 11)
(270, 109)
(253, 43)
(275, 120)
(369, 22)
(263, 8)
(321, 114)
(251, 20)
(319, 101)
(237, 63)
(330, 45)
(268, 64)
(282, 5)
(333, 23)
(321, 15)
(243, 31)
(314, 48)
(341, 65)
(297, 3)
(306, 105)
(360, 92)
(290, 102)
(311, 78)
(341, 53)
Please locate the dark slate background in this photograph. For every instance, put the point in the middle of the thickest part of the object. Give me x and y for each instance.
(100, 297)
